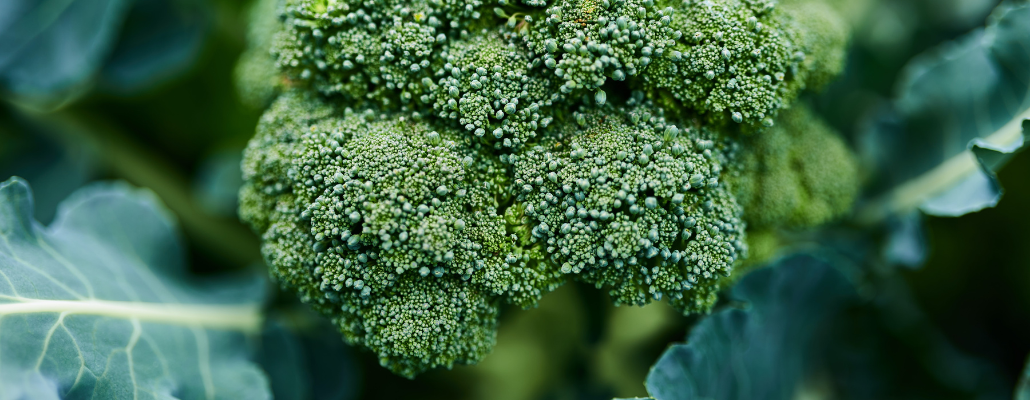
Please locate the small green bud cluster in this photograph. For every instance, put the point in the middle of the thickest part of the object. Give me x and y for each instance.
(499, 73)
(632, 203)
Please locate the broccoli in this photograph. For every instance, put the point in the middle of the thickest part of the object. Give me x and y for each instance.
(746, 59)
(388, 227)
(429, 161)
(797, 174)
(633, 203)
(256, 76)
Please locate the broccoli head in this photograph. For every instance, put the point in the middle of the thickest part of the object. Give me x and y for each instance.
(428, 161)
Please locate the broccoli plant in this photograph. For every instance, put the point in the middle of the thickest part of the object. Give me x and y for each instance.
(426, 162)
(539, 195)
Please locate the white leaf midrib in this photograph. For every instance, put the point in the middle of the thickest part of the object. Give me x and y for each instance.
(237, 317)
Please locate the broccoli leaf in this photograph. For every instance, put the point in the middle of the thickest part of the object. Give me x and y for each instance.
(98, 305)
(160, 39)
(217, 182)
(958, 116)
(310, 363)
(51, 50)
(50, 47)
(755, 353)
(1023, 389)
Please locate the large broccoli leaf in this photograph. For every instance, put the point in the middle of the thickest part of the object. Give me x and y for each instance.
(52, 46)
(50, 50)
(98, 305)
(958, 116)
(758, 353)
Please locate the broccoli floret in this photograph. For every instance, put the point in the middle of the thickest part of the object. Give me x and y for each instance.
(257, 78)
(269, 154)
(746, 59)
(632, 203)
(585, 42)
(391, 227)
(495, 95)
(797, 174)
(414, 59)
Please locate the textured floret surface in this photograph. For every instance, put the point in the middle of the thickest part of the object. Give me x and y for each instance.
(425, 162)
(632, 203)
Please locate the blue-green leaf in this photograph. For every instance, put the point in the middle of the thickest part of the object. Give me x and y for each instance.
(906, 242)
(312, 363)
(217, 183)
(160, 38)
(958, 117)
(49, 48)
(758, 353)
(1023, 388)
(99, 305)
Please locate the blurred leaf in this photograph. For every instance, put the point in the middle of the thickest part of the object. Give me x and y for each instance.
(760, 352)
(906, 241)
(1023, 389)
(99, 305)
(224, 238)
(159, 39)
(888, 348)
(218, 182)
(49, 48)
(958, 117)
(54, 170)
(308, 363)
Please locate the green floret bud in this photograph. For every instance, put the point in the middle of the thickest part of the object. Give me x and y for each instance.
(268, 159)
(415, 60)
(256, 76)
(369, 50)
(389, 228)
(421, 323)
(587, 42)
(743, 61)
(798, 174)
(492, 91)
(632, 204)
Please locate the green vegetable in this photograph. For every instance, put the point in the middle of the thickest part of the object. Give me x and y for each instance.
(397, 237)
(97, 305)
(797, 174)
(747, 59)
(634, 205)
(429, 161)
